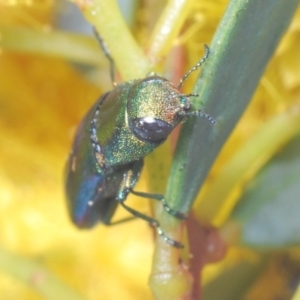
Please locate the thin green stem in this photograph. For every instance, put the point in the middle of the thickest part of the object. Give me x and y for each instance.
(167, 28)
(105, 16)
(169, 279)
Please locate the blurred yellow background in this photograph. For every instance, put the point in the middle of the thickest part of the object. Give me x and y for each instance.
(42, 99)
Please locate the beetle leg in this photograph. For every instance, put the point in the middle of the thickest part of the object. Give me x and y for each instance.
(154, 223)
(177, 214)
(129, 180)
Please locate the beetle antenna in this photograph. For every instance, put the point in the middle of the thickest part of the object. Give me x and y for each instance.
(198, 113)
(191, 95)
(195, 67)
(108, 56)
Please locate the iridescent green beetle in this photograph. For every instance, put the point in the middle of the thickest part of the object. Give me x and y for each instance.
(123, 126)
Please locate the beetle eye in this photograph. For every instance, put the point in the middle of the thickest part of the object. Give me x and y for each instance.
(150, 129)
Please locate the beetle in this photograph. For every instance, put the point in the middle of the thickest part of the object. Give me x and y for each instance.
(122, 127)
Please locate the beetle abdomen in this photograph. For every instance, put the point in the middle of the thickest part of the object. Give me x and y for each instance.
(86, 184)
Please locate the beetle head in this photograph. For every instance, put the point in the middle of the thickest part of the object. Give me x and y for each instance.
(154, 108)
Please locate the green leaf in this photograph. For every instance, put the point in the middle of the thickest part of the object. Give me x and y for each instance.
(242, 46)
(269, 210)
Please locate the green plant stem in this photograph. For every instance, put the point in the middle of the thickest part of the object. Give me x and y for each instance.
(168, 279)
(105, 16)
(167, 28)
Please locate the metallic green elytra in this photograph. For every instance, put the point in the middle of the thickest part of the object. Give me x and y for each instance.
(124, 125)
